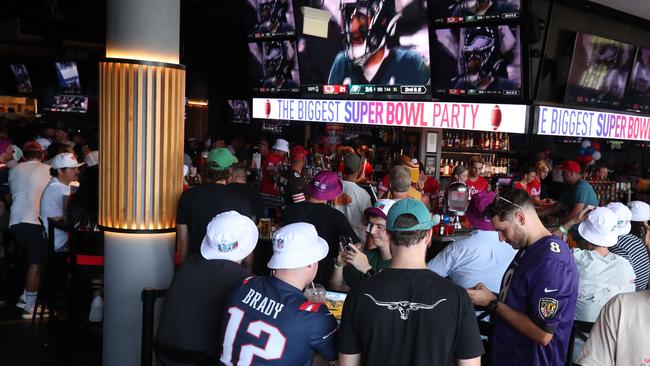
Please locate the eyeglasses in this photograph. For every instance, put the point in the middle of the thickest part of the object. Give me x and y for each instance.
(510, 202)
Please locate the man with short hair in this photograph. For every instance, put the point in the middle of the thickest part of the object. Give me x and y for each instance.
(190, 319)
(406, 314)
(632, 247)
(354, 200)
(268, 320)
(481, 256)
(533, 314)
(400, 184)
(198, 205)
(27, 181)
(577, 195)
(475, 182)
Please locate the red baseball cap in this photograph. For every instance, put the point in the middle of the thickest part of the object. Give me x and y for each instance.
(571, 166)
(32, 146)
(298, 152)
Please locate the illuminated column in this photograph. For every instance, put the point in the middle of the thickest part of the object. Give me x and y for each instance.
(141, 110)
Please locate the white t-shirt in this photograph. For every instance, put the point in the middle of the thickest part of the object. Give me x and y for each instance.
(352, 202)
(27, 181)
(600, 279)
(620, 335)
(52, 204)
(480, 257)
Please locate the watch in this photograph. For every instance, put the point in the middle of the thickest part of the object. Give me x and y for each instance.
(492, 305)
(371, 272)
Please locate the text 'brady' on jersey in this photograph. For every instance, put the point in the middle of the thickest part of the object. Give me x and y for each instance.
(541, 282)
(269, 322)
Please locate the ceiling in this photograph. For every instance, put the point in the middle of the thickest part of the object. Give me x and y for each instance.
(639, 8)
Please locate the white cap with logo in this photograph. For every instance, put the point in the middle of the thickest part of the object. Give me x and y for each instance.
(229, 236)
(624, 216)
(600, 227)
(297, 245)
(65, 160)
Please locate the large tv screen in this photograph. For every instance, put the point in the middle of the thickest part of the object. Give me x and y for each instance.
(599, 71)
(466, 11)
(273, 19)
(374, 49)
(273, 67)
(637, 93)
(68, 76)
(477, 61)
(23, 83)
(239, 111)
(67, 103)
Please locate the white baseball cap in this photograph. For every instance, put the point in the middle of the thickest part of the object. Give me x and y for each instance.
(282, 145)
(45, 143)
(92, 158)
(640, 211)
(230, 236)
(65, 160)
(297, 245)
(380, 208)
(624, 216)
(600, 227)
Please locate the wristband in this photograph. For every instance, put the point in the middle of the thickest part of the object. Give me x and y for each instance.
(563, 230)
(492, 306)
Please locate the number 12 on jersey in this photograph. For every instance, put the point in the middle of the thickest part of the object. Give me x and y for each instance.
(273, 350)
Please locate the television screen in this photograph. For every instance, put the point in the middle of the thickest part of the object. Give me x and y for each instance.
(23, 83)
(467, 11)
(477, 61)
(599, 71)
(273, 19)
(637, 93)
(68, 76)
(239, 111)
(374, 49)
(68, 103)
(273, 66)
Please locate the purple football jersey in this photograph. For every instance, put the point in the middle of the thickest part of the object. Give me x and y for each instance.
(541, 282)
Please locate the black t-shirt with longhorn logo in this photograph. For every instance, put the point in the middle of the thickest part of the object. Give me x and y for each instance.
(409, 317)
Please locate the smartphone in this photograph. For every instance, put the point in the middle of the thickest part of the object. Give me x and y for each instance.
(347, 247)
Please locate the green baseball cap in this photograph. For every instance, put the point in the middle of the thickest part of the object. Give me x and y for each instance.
(413, 207)
(220, 159)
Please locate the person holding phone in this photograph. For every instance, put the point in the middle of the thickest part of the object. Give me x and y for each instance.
(353, 264)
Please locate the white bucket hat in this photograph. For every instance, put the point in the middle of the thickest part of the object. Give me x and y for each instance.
(229, 236)
(297, 245)
(624, 216)
(640, 210)
(600, 227)
(65, 160)
(282, 145)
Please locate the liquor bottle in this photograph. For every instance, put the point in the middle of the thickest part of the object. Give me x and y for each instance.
(497, 142)
(457, 141)
(488, 143)
(463, 140)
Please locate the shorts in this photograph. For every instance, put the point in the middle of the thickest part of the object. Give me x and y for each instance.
(30, 237)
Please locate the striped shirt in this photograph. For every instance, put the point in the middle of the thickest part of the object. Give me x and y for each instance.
(632, 248)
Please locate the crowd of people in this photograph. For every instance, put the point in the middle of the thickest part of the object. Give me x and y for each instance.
(534, 263)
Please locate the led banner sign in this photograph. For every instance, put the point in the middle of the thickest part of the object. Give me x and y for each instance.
(462, 116)
(589, 123)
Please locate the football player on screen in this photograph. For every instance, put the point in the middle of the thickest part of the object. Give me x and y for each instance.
(484, 7)
(481, 61)
(278, 65)
(367, 58)
(272, 15)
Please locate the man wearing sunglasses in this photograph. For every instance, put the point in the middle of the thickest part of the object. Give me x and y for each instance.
(533, 314)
